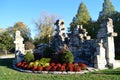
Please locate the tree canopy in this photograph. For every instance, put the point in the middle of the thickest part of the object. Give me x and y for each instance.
(6, 42)
(82, 16)
(107, 11)
(45, 27)
(25, 31)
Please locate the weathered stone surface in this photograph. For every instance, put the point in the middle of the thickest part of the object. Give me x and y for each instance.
(40, 49)
(19, 42)
(81, 46)
(60, 38)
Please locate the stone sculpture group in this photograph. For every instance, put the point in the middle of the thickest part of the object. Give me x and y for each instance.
(98, 53)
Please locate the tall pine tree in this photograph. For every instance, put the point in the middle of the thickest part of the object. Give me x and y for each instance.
(82, 16)
(107, 10)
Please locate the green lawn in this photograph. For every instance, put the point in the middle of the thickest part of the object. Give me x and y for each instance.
(8, 73)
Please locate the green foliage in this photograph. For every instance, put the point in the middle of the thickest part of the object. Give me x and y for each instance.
(82, 16)
(6, 42)
(92, 29)
(45, 62)
(116, 23)
(25, 31)
(36, 41)
(48, 52)
(107, 11)
(29, 57)
(67, 57)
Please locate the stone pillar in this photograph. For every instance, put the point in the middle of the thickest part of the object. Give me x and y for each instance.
(19, 46)
(106, 34)
(110, 42)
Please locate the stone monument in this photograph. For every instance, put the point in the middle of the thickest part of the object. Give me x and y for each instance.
(97, 53)
(19, 46)
(105, 53)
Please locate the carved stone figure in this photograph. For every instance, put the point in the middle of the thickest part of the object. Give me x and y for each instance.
(19, 42)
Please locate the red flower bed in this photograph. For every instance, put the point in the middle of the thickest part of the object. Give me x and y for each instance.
(54, 66)
(40, 68)
(82, 65)
(48, 68)
(77, 68)
(19, 64)
(34, 68)
(58, 65)
(29, 67)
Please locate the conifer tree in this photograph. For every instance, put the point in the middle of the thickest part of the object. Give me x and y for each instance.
(107, 10)
(82, 16)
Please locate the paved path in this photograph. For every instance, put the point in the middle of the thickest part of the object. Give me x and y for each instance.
(7, 56)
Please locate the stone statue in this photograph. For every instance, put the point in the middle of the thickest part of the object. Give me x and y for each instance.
(19, 47)
(19, 42)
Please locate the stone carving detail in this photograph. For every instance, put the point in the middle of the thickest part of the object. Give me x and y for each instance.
(19, 42)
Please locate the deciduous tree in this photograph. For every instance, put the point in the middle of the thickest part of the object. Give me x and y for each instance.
(45, 26)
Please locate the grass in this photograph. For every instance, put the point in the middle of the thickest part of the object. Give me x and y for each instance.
(8, 73)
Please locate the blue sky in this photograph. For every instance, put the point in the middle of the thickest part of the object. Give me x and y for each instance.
(12, 11)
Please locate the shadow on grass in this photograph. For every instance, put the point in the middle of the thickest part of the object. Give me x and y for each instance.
(108, 72)
(7, 62)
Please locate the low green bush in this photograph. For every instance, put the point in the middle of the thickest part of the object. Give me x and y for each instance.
(29, 57)
(67, 57)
